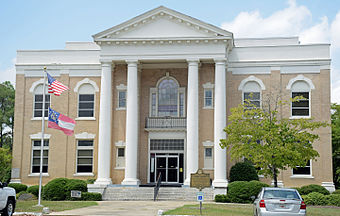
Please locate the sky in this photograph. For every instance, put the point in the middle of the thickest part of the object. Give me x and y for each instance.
(48, 24)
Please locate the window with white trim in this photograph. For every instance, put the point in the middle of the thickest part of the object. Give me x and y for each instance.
(86, 98)
(167, 99)
(302, 106)
(38, 101)
(121, 99)
(303, 170)
(252, 94)
(208, 147)
(84, 156)
(208, 94)
(120, 161)
(36, 151)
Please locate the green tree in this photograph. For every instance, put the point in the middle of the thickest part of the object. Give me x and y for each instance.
(270, 142)
(336, 143)
(5, 164)
(7, 94)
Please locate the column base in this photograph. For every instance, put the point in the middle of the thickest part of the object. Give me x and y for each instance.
(96, 188)
(329, 186)
(220, 183)
(279, 184)
(187, 182)
(103, 181)
(218, 191)
(131, 181)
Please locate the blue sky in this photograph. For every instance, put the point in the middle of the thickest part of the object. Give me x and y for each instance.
(47, 24)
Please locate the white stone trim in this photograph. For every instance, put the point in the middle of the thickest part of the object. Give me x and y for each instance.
(36, 83)
(83, 174)
(208, 85)
(121, 87)
(208, 143)
(250, 70)
(249, 79)
(85, 135)
(300, 78)
(37, 174)
(120, 143)
(302, 177)
(38, 136)
(329, 186)
(85, 118)
(279, 183)
(300, 69)
(86, 81)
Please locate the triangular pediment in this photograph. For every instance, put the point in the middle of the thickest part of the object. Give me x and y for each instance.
(162, 22)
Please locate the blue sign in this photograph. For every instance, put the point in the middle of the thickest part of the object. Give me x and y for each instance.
(200, 196)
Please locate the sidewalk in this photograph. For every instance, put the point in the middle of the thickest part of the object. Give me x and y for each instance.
(126, 208)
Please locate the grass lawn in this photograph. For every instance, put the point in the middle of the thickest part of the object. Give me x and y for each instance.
(54, 206)
(241, 209)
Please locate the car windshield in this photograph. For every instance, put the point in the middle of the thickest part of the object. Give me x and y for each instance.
(280, 194)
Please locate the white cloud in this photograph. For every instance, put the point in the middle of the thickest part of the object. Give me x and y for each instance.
(294, 20)
(8, 74)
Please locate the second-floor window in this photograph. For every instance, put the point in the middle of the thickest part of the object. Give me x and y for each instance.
(38, 101)
(86, 98)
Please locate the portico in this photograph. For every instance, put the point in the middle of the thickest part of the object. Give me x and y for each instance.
(138, 44)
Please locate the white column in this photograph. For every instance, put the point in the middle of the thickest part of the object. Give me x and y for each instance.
(192, 120)
(132, 125)
(220, 114)
(104, 143)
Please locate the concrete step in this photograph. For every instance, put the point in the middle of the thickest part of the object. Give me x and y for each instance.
(147, 193)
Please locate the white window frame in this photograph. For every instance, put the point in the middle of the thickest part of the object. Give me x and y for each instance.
(38, 148)
(33, 91)
(208, 87)
(96, 89)
(207, 160)
(311, 87)
(84, 148)
(120, 145)
(181, 90)
(303, 175)
(251, 79)
(121, 88)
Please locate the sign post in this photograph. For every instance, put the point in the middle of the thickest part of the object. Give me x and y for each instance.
(200, 180)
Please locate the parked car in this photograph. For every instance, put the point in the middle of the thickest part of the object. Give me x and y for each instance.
(7, 200)
(279, 201)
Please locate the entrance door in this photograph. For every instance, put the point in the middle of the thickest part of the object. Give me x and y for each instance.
(168, 166)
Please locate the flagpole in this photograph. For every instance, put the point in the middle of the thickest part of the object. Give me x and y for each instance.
(42, 139)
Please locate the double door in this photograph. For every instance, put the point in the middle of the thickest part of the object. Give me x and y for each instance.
(168, 166)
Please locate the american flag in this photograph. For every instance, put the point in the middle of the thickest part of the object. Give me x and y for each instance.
(54, 86)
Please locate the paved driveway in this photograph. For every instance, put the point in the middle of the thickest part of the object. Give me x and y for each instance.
(126, 208)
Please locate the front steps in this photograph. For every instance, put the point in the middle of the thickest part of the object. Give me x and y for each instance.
(147, 193)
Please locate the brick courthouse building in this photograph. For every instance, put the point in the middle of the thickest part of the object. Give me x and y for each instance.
(153, 94)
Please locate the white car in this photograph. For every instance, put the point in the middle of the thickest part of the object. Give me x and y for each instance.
(279, 201)
(7, 200)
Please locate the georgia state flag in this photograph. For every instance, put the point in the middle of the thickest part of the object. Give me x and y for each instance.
(60, 122)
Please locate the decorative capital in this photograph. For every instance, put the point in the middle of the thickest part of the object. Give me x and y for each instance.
(220, 60)
(132, 62)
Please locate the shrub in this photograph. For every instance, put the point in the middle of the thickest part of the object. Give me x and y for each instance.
(75, 184)
(315, 198)
(220, 198)
(241, 191)
(87, 196)
(23, 195)
(55, 190)
(336, 192)
(90, 181)
(243, 171)
(333, 199)
(313, 188)
(18, 187)
(34, 190)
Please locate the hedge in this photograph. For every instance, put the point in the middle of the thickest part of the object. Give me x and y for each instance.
(55, 190)
(316, 198)
(304, 190)
(18, 187)
(75, 184)
(241, 192)
(87, 196)
(243, 171)
(336, 192)
(34, 190)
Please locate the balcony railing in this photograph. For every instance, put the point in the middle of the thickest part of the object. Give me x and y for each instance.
(166, 122)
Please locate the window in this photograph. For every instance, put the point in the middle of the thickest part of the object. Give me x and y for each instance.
(168, 99)
(303, 170)
(208, 98)
(300, 107)
(36, 147)
(85, 156)
(121, 99)
(166, 144)
(120, 161)
(208, 152)
(252, 94)
(86, 101)
(38, 101)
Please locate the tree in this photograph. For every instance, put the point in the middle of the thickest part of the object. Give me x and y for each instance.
(5, 165)
(336, 143)
(270, 142)
(7, 94)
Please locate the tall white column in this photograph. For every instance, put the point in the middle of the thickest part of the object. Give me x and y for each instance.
(132, 123)
(104, 143)
(220, 114)
(192, 120)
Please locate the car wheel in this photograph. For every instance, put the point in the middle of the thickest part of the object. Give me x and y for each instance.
(9, 210)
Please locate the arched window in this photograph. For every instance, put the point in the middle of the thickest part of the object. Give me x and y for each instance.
(38, 101)
(301, 86)
(86, 100)
(252, 88)
(167, 99)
